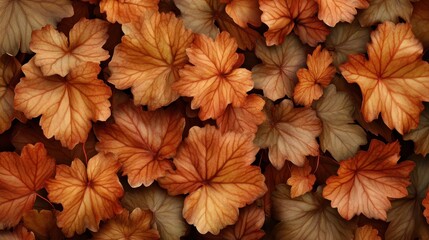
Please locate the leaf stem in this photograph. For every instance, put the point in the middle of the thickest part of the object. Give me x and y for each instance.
(46, 200)
(84, 153)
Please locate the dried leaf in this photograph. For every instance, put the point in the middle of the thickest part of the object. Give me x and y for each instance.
(334, 11)
(19, 233)
(127, 11)
(9, 69)
(92, 192)
(248, 227)
(244, 12)
(43, 224)
(366, 182)
(301, 180)
(215, 168)
(386, 10)
(367, 232)
(420, 21)
(420, 135)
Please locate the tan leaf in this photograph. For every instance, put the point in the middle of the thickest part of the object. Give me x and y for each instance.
(9, 69)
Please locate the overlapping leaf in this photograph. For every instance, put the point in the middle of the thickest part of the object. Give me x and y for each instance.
(420, 135)
(420, 21)
(214, 169)
(248, 225)
(334, 11)
(127, 11)
(149, 58)
(386, 10)
(143, 141)
(43, 224)
(244, 12)
(301, 180)
(9, 69)
(367, 232)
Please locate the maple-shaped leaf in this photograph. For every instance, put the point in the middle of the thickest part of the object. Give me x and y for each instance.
(56, 55)
(127, 11)
(367, 181)
(87, 194)
(420, 135)
(9, 69)
(143, 141)
(301, 180)
(209, 17)
(276, 75)
(244, 12)
(166, 209)
(248, 226)
(20, 179)
(311, 81)
(386, 10)
(340, 135)
(43, 224)
(406, 220)
(334, 11)
(150, 63)
(345, 39)
(214, 80)
(283, 16)
(245, 118)
(31, 132)
(19, 18)
(367, 232)
(214, 169)
(67, 105)
(289, 133)
(394, 80)
(19, 233)
(420, 21)
(134, 225)
(307, 217)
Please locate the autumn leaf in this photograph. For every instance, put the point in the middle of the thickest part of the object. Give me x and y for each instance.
(9, 69)
(19, 18)
(340, 135)
(214, 168)
(214, 80)
(307, 217)
(143, 141)
(406, 220)
(20, 179)
(289, 133)
(313, 80)
(209, 17)
(43, 224)
(245, 118)
(367, 232)
(276, 75)
(19, 233)
(92, 192)
(134, 225)
(149, 58)
(420, 20)
(166, 209)
(394, 80)
(283, 16)
(367, 181)
(420, 135)
(273, 177)
(334, 11)
(248, 226)
(346, 39)
(56, 55)
(301, 180)
(244, 12)
(67, 105)
(127, 11)
(386, 10)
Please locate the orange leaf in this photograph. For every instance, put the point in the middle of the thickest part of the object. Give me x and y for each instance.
(276, 76)
(92, 193)
(55, 55)
(245, 118)
(367, 181)
(283, 16)
(289, 133)
(19, 233)
(67, 105)
(214, 80)
(205, 16)
(134, 225)
(20, 179)
(301, 181)
(127, 11)
(9, 69)
(367, 232)
(244, 12)
(334, 11)
(311, 81)
(215, 170)
(43, 224)
(143, 142)
(19, 18)
(394, 80)
(149, 58)
(248, 226)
